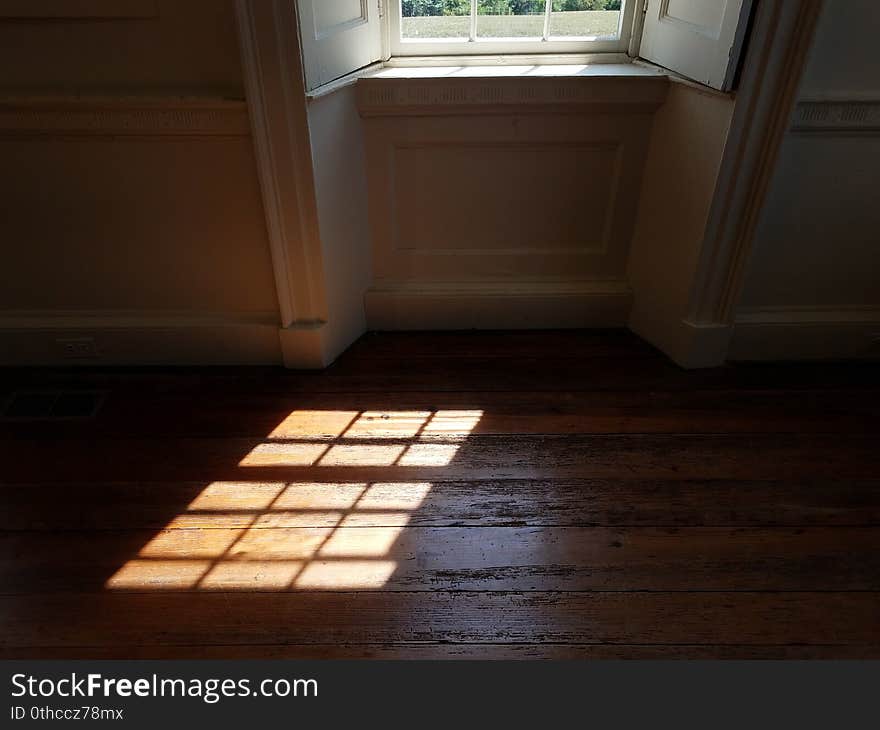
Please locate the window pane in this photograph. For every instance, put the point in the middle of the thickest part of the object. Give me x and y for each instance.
(510, 19)
(427, 19)
(585, 18)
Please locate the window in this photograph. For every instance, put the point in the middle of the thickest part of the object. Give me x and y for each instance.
(700, 39)
(477, 27)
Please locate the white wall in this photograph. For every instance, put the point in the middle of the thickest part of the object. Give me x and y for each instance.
(812, 286)
(687, 144)
(132, 223)
(185, 48)
(341, 188)
(131, 209)
(843, 58)
(504, 202)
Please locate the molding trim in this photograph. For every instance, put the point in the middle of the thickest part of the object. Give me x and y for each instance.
(837, 115)
(129, 318)
(688, 345)
(275, 89)
(779, 42)
(276, 94)
(70, 9)
(30, 338)
(503, 94)
(303, 347)
(497, 305)
(804, 333)
(160, 116)
(807, 314)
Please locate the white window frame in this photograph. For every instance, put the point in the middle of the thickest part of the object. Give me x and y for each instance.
(473, 46)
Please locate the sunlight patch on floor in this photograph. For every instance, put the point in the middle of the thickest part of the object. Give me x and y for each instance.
(275, 536)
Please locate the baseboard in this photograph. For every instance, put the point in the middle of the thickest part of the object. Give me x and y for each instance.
(492, 305)
(690, 345)
(303, 346)
(98, 338)
(806, 333)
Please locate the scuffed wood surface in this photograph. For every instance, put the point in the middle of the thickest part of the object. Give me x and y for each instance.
(448, 495)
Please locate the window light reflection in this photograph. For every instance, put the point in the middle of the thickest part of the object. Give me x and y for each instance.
(277, 536)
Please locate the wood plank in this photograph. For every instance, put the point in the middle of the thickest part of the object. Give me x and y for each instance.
(542, 366)
(534, 503)
(167, 619)
(540, 373)
(435, 652)
(327, 415)
(429, 559)
(695, 456)
(606, 504)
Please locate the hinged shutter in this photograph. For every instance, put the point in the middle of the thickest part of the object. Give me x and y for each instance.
(338, 37)
(700, 39)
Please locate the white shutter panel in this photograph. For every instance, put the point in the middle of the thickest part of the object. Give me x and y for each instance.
(338, 37)
(700, 39)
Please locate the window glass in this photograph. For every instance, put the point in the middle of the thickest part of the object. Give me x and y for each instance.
(584, 18)
(470, 26)
(511, 19)
(432, 19)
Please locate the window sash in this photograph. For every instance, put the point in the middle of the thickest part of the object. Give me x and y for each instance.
(474, 46)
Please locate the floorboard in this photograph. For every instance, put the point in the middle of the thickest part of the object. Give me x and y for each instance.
(435, 651)
(142, 414)
(92, 506)
(279, 559)
(448, 495)
(108, 619)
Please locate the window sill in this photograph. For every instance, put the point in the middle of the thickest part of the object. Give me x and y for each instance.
(566, 80)
(510, 68)
(506, 89)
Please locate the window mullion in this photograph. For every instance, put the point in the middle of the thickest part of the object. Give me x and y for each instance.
(473, 33)
(548, 4)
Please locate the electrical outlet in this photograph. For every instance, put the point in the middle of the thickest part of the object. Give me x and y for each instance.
(77, 348)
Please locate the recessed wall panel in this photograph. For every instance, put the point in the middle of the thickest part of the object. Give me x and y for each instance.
(500, 197)
(512, 198)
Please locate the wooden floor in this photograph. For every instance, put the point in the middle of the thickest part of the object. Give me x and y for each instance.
(566, 495)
